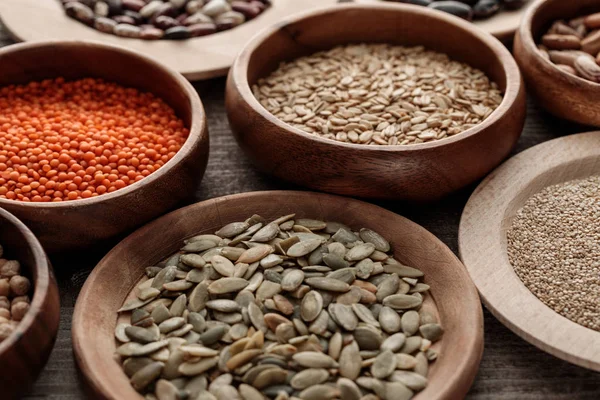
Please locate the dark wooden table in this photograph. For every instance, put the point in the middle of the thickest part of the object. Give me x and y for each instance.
(511, 368)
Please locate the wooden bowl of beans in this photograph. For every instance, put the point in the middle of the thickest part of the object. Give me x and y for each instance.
(380, 101)
(97, 140)
(557, 47)
(29, 307)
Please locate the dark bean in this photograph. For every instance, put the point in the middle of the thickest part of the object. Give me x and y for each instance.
(202, 29)
(225, 25)
(514, 4)
(182, 18)
(163, 22)
(486, 8)
(151, 33)
(260, 4)
(455, 8)
(177, 33)
(124, 19)
(80, 12)
(133, 5)
(134, 15)
(247, 9)
(114, 6)
(105, 25)
(166, 9)
(468, 2)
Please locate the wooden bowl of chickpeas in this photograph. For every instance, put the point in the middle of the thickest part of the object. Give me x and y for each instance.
(29, 307)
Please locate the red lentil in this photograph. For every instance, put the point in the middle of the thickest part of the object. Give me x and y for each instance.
(68, 140)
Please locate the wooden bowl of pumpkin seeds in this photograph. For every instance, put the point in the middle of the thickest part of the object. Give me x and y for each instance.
(376, 101)
(279, 295)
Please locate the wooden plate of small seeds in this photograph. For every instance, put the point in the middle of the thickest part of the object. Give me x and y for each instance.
(196, 58)
(522, 216)
(279, 295)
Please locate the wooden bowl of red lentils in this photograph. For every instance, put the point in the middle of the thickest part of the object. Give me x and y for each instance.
(377, 101)
(96, 140)
(29, 307)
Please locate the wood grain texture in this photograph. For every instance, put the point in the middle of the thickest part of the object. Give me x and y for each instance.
(452, 293)
(25, 352)
(502, 25)
(92, 221)
(197, 58)
(510, 369)
(482, 241)
(563, 94)
(421, 172)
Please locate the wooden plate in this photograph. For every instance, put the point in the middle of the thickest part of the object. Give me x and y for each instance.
(482, 240)
(199, 58)
(114, 277)
(502, 25)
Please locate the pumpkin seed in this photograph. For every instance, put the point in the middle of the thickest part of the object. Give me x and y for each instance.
(332, 285)
(193, 260)
(360, 252)
(394, 342)
(303, 248)
(411, 380)
(432, 332)
(223, 266)
(384, 364)
(410, 322)
(311, 306)
(227, 285)
(343, 316)
(402, 302)
(232, 229)
(319, 392)
(146, 375)
(369, 236)
(350, 361)
(313, 359)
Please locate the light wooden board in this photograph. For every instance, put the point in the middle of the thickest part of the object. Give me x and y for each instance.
(197, 58)
(502, 25)
(482, 243)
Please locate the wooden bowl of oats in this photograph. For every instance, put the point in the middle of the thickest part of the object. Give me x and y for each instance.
(452, 301)
(339, 121)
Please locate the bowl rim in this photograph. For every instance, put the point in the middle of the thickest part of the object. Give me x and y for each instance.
(40, 285)
(526, 35)
(198, 129)
(514, 83)
(459, 379)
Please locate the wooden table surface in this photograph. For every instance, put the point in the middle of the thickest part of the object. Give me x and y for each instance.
(511, 368)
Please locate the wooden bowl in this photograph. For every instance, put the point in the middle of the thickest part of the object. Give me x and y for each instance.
(198, 58)
(562, 94)
(92, 221)
(502, 25)
(121, 270)
(25, 352)
(426, 171)
(482, 240)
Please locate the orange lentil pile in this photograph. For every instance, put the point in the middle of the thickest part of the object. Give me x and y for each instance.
(68, 140)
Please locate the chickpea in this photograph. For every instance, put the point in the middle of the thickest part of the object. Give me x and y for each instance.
(19, 285)
(19, 310)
